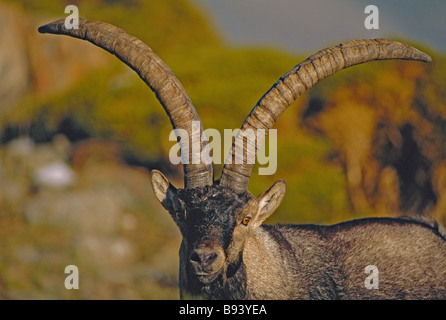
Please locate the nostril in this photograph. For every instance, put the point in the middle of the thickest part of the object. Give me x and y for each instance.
(195, 257)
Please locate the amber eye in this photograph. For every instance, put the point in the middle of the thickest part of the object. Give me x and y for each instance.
(246, 220)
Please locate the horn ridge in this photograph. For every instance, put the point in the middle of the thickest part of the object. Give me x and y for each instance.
(301, 78)
(156, 74)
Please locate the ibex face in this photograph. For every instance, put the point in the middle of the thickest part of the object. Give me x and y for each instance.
(215, 221)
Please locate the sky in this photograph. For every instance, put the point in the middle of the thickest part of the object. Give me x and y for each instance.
(303, 26)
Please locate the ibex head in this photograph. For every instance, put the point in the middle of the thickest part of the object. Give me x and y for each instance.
(217, 219)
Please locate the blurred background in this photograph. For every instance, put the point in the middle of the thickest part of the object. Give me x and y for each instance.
(79, 131)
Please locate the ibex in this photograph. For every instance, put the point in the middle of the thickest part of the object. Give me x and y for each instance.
(226, 252)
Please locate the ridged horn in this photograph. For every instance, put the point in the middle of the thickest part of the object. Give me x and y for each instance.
(157, 75)
(295, 82)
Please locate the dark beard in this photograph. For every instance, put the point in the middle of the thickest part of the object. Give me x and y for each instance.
(230, 285)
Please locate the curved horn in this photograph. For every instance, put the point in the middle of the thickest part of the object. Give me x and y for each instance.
(157, 75)
(295, 82)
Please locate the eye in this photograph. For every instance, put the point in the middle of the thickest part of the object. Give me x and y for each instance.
(246, 220)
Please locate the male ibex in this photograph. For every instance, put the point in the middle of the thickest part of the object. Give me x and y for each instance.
(226, 252)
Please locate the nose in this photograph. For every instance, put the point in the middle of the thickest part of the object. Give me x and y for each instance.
(203, 258)
(206, 259)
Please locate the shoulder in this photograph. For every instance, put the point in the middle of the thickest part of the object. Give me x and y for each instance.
(365, 224)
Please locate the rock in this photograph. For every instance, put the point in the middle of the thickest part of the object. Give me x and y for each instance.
(106, 253)
(14, 65)
(21, 147)
(57, 175)
(39, 64)
(83, 211)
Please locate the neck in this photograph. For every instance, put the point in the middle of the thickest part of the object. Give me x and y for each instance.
(267, 272)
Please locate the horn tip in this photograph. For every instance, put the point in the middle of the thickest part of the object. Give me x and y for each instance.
(43, 29)
(427, 58)
(51, 27)
(57, 26)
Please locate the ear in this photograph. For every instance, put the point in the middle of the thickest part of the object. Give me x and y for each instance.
(164, 190)
(269, 201)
